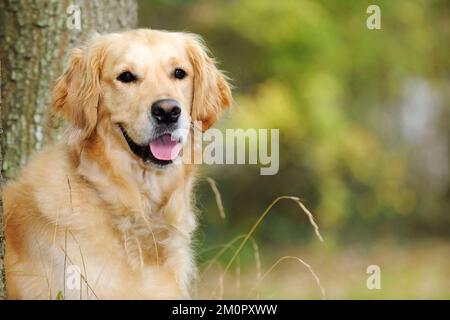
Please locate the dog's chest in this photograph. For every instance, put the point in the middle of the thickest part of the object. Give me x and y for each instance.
(140, 239)
(143, 236)
(140, 255)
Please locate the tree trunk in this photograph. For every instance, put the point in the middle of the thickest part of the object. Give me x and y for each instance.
(2, 238)
(35, 39)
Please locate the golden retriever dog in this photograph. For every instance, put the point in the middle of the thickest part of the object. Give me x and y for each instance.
(108, 213)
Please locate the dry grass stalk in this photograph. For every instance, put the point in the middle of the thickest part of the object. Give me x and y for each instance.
(217, 195)
(261, 218)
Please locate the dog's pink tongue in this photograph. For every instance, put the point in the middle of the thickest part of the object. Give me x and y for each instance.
(164, 148)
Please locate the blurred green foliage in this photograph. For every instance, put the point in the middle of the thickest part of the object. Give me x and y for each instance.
(339, 94)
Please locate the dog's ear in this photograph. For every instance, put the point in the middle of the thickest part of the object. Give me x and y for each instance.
(76, 94)
(212, 93)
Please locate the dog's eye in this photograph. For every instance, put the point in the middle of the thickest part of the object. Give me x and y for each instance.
(179, 73)
(126, 77)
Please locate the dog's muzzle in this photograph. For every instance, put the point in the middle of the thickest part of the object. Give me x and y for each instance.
(162, 150)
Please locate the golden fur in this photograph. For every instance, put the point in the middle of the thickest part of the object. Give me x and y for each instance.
(89, 201)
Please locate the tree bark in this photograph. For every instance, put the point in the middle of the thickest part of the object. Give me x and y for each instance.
(2, 238)
(35, 40)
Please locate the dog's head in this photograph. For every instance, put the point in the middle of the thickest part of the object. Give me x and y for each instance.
(147, 86)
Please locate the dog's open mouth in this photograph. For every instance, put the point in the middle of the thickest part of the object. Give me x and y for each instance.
(162, 150)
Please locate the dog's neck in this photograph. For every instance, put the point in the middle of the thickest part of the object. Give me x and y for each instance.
(127, 184)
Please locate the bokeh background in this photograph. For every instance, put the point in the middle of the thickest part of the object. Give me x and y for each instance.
(364, 123)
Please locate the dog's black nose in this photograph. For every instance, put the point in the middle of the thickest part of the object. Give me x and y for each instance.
(166, 111)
